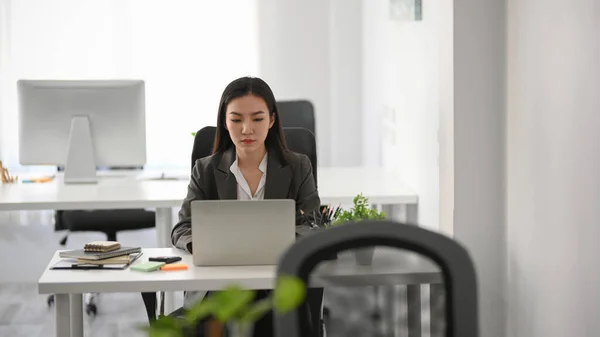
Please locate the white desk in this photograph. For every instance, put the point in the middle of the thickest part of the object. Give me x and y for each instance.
(336, 185)
(389, 268)
(118, 190)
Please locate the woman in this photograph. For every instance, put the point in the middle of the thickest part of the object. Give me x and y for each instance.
(250, 161)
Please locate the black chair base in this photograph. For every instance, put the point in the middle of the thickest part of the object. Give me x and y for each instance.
(91, 308)
(150, 304)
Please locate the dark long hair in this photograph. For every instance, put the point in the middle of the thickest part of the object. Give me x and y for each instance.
(249, 86)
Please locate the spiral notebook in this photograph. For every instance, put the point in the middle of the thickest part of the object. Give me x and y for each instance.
(82, 254)
(101, 246)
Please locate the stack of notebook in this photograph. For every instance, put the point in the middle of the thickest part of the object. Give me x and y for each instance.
(102, 253)
(101, 246)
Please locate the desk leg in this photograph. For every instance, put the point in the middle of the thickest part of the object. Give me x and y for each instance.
(164, 224)
(412, 214)
(413, 294)
(389, 210)
(411, 217)
(396, 303)
(437, 303)
(76, 309)
(404, 214)
(62, 313)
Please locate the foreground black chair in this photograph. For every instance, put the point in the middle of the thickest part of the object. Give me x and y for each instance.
(458, 271)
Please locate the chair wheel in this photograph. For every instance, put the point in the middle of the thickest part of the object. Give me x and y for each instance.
(376, 316)
(90, 309)
(326, 312)
(50, 300)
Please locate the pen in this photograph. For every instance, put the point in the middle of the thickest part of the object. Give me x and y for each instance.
(306, 218)
(337, 211)
(87, 267)
(330, 214)
(323, 216)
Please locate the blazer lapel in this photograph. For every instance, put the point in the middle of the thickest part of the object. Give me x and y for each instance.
(226, 183)
(279, 178)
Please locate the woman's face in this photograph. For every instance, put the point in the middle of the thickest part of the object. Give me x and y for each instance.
(248, 121)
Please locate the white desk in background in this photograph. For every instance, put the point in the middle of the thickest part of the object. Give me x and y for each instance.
(390, 267)
(136, 189)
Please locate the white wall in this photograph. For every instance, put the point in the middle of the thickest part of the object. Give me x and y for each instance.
(3, 41)
(401, 71)
(310, 50)
(375, 60)
(346, 45)
(445, 20)
(479, 118)
(186, 52)
(553, 157)
(526, 162)
(294, 58)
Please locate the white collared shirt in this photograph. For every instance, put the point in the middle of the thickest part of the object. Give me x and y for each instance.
(243, 189)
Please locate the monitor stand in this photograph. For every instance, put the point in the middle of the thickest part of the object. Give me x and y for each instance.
(80, 167)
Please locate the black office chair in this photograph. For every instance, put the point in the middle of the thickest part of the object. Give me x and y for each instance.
(203, 143)
(297, 113)
(293, 114)
(461, 310)
(299, 140)
(107, 221)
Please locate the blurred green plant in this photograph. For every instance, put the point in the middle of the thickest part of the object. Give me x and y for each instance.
(233, 304)
(361, 210)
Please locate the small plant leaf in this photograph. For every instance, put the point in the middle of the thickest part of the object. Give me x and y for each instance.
(165, 327)
(231, 302)
(289, 293)
(361, 210)
(194, 134)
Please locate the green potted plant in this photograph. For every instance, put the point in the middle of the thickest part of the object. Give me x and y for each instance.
(233, 308)
(361, 210)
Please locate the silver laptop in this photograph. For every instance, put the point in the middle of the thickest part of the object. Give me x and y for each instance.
(241, 232)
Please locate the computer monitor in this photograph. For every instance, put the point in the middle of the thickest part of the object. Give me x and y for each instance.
(82, 125)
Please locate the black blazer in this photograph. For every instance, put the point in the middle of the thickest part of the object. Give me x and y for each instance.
(287, 178)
